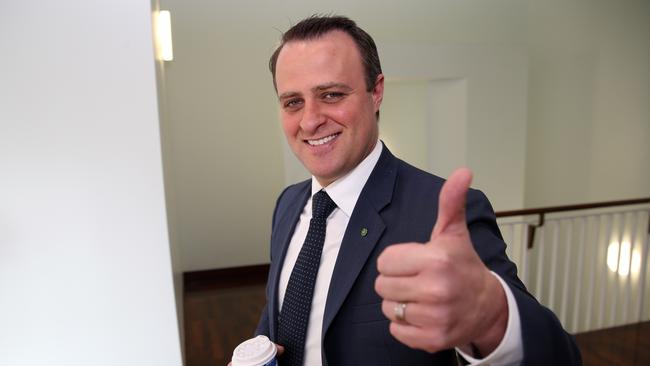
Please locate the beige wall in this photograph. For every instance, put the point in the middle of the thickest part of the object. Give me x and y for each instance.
(225, 146)
(474, 106)
(582, 137)
(588, 116)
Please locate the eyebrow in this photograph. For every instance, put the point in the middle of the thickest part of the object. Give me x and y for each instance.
(331, 85)
(316, 89)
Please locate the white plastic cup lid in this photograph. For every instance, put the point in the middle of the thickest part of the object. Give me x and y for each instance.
(254, 352)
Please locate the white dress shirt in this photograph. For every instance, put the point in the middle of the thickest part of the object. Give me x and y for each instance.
(345, 192)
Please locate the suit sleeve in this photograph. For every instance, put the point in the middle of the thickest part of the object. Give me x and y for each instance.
(545, 342)
(263, 326)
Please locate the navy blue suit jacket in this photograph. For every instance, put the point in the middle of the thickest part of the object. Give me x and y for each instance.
(399, 204)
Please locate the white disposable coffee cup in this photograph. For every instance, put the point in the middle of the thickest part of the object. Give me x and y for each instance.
(258, 351)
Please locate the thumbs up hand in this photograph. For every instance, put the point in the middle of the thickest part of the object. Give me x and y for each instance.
(440, 295)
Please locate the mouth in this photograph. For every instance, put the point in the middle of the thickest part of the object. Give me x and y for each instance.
(322, 141)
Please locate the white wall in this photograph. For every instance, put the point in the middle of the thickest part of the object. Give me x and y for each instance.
(85, 267)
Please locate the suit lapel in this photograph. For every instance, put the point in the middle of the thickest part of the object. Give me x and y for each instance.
(284, 228)
(356, 247)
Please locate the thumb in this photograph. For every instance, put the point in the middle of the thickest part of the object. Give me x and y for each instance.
(451, 204)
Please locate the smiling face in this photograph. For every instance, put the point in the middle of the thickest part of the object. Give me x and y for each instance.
(328, 116)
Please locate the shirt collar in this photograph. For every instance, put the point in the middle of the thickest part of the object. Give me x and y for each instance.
(346, 190)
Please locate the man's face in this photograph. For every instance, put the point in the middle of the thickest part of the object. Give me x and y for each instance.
(327, 115)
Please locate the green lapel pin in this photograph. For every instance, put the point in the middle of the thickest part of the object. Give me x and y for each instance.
(364, 232)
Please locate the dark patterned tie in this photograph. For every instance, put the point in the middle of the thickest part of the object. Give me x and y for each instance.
(294, 316)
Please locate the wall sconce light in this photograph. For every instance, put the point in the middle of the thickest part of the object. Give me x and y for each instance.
(620, 262)
(164, 36)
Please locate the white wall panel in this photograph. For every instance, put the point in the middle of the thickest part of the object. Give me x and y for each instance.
(85, 267)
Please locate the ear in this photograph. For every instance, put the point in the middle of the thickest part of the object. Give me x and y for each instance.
(378, 92)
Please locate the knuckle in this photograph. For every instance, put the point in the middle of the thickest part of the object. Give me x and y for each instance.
(381, 265)
(385, 308)
(385, 258)
(379, 285)
(394, 329)
(382, 286)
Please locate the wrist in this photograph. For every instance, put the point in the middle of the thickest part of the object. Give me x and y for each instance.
(496, 320)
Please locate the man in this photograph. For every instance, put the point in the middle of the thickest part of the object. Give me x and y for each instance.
(374, 262)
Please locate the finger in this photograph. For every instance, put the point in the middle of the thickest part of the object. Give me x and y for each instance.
(280, 349)
(451, 205)
(402, 288)
(420, 338)
(421, 314)
(402, 259)
(388, 308)
(414, 289)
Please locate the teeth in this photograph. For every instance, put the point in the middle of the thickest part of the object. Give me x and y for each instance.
(324, 140)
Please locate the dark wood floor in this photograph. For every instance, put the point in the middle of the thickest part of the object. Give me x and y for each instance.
(628, 345)
(216, 321)
(221, 309)
(217, 318)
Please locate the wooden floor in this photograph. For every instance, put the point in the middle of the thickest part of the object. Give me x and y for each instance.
(216, 321)
(217, 318)
(628, 345)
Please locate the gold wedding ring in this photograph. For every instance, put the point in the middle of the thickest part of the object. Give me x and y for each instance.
(400, 311)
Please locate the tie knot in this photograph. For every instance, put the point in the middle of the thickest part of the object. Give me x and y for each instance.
(322, 205)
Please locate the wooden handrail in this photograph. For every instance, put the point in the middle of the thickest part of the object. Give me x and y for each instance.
(542, 211)
(584, 206)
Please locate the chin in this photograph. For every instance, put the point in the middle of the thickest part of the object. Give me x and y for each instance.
(324, 175)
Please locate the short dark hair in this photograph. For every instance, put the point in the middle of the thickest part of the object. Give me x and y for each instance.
(316, 26)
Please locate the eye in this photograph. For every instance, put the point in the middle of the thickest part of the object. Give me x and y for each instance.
(292, 104)
(332, 97)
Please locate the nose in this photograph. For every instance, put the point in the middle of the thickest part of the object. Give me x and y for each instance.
(312, 117)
